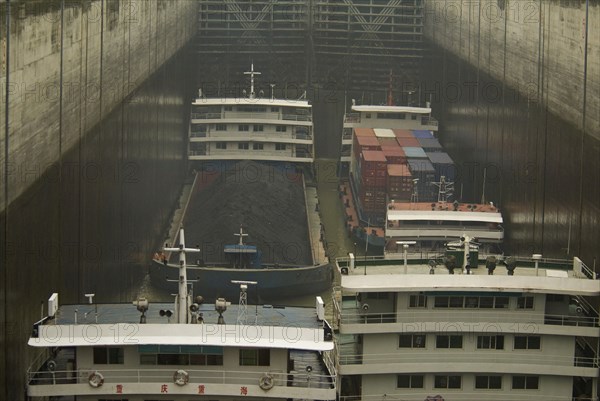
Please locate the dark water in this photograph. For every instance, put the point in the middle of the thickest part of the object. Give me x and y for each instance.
(91, 224)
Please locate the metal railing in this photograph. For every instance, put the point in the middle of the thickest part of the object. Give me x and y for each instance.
(272, 136)
(163, 375)
(352, 118)
(394, 225)
(467, 315)
(468, 357)
(466, 396)
(206, 116)
(197, 153)
(428, 120)
(251, 116)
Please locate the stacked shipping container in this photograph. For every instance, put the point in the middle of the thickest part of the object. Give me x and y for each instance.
(372, 188)
(386, 162)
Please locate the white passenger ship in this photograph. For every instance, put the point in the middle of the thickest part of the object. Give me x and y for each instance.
(181, 351)
(251, 127)
(527, 329)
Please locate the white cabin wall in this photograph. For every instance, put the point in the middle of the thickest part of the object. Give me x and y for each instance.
(377, 305)
(556, 386)
(230, 361)
(375, 122)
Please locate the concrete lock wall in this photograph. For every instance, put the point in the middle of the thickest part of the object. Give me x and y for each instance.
(520, 97)
(537, 47)
(66, 64)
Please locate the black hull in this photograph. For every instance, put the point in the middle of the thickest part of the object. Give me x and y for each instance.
(273, 283)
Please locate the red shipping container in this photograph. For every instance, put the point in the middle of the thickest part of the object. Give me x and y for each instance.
(364, 132)
(399, 170)
(401, 197)
(362, 143)
(394, 155)
(373, 182)
(403, 133)
(373, 160)
(408, 142)
(387, 142)
(366, 142)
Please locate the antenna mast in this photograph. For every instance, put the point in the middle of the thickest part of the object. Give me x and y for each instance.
(241, 235)
(242, 317)
(390, 98)
(252, 73)
(414, 198)
(182, 296)
(445, 189)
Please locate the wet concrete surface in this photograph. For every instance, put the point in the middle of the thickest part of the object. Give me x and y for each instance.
(90, 223)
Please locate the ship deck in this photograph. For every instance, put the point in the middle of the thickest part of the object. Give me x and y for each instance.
(268, 200)
(392, 275)
(260, 315)
(427, 206)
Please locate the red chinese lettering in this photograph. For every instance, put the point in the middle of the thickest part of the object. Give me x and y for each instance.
(244, 390)
(164, 388)
(201, 389)
(119, 389)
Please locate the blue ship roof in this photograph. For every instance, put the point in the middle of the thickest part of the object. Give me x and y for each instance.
(420, 133)
(237, 248)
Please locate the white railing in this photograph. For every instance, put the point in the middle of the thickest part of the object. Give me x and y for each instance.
(486, 356)
(197, 153)
(251, 116)
(429, 121)
(272, 136)
(417, 395)
(297, 117)
(122, 376)
(205, 116)
(198, 134)
(352, 118)
(395, 225)
(356, 316)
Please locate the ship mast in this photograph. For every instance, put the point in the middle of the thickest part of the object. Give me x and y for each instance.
(252, 73)
(182, 296)
(241, 235)
(390, 98)
(445, 189)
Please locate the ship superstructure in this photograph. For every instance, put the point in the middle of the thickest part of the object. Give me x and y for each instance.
(251, 127)
(182, 350)
(515, 329)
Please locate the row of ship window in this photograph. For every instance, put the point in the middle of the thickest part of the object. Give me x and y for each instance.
(483, 302)
(255, 146)
(494, 382)
(252, 109)
(255, 127)
(456, 341)
(207, 357)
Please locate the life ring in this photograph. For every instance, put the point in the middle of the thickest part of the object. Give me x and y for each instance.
(181, 377)
(266, 382)
(95, 379)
